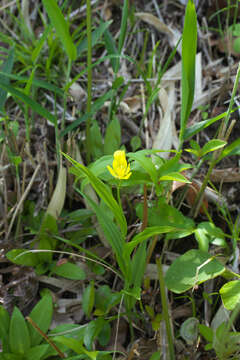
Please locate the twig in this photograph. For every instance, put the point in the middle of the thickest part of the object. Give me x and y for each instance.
(62, 356)
(22, 200)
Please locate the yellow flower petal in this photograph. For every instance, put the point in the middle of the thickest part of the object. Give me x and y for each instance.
(120, 168)
(112, 172)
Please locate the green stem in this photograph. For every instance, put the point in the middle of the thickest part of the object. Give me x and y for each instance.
(89, 84)
(118, 195)
(165, 309)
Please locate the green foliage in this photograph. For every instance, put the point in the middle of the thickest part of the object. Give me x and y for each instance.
(230, 294)
(6, 68)
(88, 299)
(31, 58)
(224, 342)
(189, 47)
(61, 27)
(191, 269)
(68, 270)
(210, 146)
(19, 339)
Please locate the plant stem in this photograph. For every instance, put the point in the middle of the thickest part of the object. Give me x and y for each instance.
(165, 309)
(118, 195)
(62, 356)
(145, 208)
(89, 84)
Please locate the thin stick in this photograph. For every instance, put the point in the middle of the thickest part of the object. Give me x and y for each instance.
(89, 84)
(22, 200)
(62, 356)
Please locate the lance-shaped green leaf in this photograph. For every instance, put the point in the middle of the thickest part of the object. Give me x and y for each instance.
(61, 27)
(6, 68)
(189, 47)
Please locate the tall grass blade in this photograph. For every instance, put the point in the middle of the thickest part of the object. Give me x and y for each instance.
(111, 48)
(189, 47)
(96, 34)
(6, 68)
(123, 27)
(61, 26)
(28, 101)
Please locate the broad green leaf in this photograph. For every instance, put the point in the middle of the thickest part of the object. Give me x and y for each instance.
(189, 47)
(61, 26)
(4, 328)
(42, 316)
(105, 334)
(105, 299)
(232, 149)
(172, 166)
(212, 145)
(230, 294)
(190, 269)
(174, 176)
(46, 239)
(100, 165)
(156, 355)
(96, 140)
(145, 162)
(112, 138)
(6, 68)
(88, 299)
(135, 142)
(206, 332)
(146, 234)
(199, 126)
(19, 338)
(104, 193)
(92, 331)
(69, 271)
(207, 233)
(37, 352)
(18, 256)
(76, 346)
(164, 214)
(138, 265)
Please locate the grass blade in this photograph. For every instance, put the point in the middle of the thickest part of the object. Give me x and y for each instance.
(61, 26)
(189, 47)
(6, 68)
(30, 102)
(123, 27)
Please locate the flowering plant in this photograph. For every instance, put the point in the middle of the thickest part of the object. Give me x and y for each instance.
(120, 168)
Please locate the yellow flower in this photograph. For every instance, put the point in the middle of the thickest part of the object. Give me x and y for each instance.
(120, 168)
